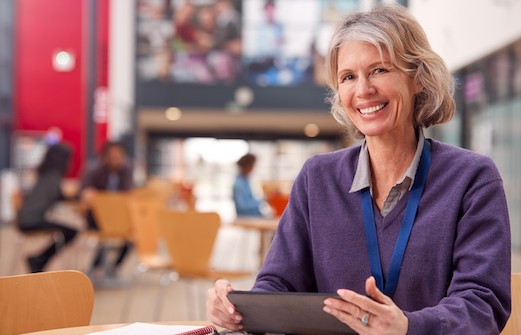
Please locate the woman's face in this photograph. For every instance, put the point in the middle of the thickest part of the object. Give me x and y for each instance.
(377, 97)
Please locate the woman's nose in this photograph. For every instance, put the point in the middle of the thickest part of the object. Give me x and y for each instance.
(364, 87)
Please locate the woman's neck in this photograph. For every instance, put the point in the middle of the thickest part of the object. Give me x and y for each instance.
(389, 159)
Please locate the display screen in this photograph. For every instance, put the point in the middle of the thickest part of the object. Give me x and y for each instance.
(231, 42)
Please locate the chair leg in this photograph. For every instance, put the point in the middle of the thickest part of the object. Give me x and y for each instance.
(87, 245)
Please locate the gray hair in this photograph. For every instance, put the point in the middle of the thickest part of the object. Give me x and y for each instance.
(392, 28)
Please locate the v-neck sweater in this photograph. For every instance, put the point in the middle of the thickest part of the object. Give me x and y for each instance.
(455, 276)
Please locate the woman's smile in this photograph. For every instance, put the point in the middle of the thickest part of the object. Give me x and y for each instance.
(372, 110)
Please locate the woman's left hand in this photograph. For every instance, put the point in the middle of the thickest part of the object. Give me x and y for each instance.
(378, 315)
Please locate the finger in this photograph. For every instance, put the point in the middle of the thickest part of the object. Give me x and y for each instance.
(217, 311)
(362, 302)
(373, 291)
(221, 315)
(350, 320)
(345, 306)
(224, 324)
(222, 288)
(214, 306)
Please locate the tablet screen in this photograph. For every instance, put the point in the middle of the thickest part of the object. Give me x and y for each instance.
(286, 313)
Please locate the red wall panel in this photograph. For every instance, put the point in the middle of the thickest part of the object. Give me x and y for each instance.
(43, 96)
(102, 74)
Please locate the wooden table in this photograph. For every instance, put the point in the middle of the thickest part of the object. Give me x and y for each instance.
(266, 228)
(96, 328)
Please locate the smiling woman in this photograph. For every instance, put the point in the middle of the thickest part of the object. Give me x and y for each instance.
(404, 229)
(406, 49)
(377, 97)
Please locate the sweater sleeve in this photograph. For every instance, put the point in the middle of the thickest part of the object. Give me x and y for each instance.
(478, 297)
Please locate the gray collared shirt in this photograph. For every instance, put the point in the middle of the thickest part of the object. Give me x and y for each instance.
(362, 177)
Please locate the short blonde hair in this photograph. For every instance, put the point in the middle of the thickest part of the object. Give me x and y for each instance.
(390, 27)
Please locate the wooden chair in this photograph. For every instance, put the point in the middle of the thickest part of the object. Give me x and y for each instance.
(110, 210)
(112, 216)
(147, 192)
(46, 300)
(513, 326)
(146, 237)
(146, 233)
(190, 237)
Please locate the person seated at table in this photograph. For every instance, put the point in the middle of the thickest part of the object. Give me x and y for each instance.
(45, 193)
(246, 204)
(112, 172)
(411, 233)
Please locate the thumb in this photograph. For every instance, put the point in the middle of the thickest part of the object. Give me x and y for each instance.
(373, 291)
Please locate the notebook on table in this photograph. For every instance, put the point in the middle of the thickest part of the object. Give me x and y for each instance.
(286, 313)
(139, 328)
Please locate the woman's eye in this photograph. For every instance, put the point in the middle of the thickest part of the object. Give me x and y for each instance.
(346, 77)
(380, 70)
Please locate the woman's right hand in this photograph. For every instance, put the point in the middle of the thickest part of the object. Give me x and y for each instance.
(220, 310)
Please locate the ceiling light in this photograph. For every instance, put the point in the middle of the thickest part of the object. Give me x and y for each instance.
(311, 130)
(173, 113)
(63, 61)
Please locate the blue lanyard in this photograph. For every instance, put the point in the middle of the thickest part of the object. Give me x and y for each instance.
(415, 194)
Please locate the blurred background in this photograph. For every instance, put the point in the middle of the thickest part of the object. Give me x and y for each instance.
(190, 86)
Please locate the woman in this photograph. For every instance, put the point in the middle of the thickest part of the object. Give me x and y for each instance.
(352, 209)
(46, 193)
(245, 202)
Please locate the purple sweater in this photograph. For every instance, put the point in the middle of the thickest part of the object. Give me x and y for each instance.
(455, 276)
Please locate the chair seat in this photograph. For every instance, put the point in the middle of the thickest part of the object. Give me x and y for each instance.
(155, 262)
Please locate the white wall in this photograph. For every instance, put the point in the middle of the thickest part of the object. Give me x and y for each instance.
(463, 31)
(121, 67)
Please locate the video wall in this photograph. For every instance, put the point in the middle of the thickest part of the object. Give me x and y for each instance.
(200, 44)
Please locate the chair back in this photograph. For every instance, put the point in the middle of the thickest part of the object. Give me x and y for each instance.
(146, 233)
(45, 300)
(150, 192)
(190, 238)
(111, 210)
(513, 326)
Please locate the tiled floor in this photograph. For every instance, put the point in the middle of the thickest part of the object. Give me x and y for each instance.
(182, 301)
(235, 249)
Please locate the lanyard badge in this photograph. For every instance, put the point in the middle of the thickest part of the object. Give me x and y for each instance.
(389, 287)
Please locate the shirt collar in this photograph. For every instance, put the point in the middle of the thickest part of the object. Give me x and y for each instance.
(362, 178)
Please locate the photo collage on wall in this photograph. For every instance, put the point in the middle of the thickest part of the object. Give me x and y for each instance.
(219, 42)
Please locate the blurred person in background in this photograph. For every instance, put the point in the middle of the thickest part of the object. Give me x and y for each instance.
(412, 234)
(112, 172)
(246, 204)
(46, 192)
(227, 35)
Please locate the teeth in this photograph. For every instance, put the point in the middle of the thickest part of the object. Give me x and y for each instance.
(371, 110)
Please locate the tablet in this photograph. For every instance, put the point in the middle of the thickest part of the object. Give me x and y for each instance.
(286, 313)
